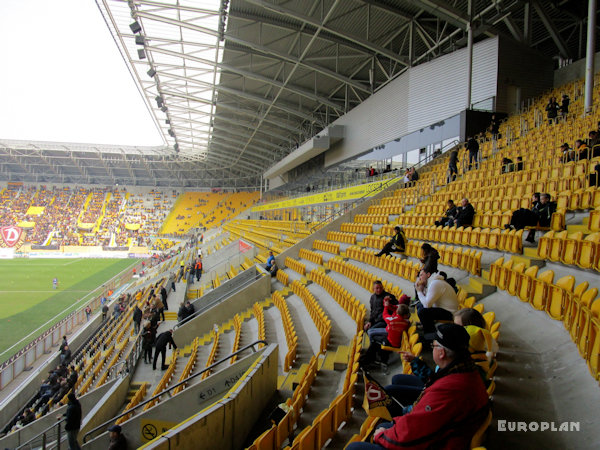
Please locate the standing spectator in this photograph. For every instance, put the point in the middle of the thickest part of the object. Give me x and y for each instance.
(117, 440)
(270, 260)
(104, 312)
(190, 309)
(564, 105)
(465, 214)
(494, 127)
(137, 319)
(147, 342)
(73, 421)
(163, 296)
(198, 268)
(473, 147)
(88, 312)
(453, 165)
(552, 110)
(65, 355)
(396, 244)
(182, 312)
(161, 347)
(429, 258)
(54, 283)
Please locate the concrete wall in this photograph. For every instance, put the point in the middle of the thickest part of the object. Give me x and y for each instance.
(321, 234)
(225, 425)
(33, 429)
(574, 71)
(172, 411)
(107, 407)
(223, 311)
(28, 388)
(226, 288)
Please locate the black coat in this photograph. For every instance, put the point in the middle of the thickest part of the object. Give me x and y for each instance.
(465, 215)
(137, 315)
(163, 339)
(73, 415)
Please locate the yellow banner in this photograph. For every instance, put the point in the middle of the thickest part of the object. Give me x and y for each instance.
(86, 226)
(351, 193)
(132, 226)
(35, 210)
(26, 224)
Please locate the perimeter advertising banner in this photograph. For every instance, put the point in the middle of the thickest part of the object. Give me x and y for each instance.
(350, 193)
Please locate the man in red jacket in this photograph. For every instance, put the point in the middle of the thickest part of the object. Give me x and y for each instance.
(451, 408)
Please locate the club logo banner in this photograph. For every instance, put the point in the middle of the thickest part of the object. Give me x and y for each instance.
(11, 237)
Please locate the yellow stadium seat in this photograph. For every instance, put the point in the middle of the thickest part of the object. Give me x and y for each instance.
(538, 298)
(588, 251)
(513, 278)
(559, 295)
(570, 247)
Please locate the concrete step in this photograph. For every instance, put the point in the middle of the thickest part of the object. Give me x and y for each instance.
(293, 378)
(342, 354)
(170, 315)
(531, 259)
(478, 287)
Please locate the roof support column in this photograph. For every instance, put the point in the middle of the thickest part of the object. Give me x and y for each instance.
(469, 56)
(589, 58)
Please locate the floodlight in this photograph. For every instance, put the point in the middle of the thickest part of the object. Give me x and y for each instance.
(151, 72)
(164, 109)
(141, 53)
(168, 122)
(140, 40)
(135, 27)
(171, 133)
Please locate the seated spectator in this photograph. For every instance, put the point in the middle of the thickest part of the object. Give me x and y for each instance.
(437, 300)
(523, 217)
(465, 214)
(376, 308)
(396, 244)
(429, 258)
(507, 165)
(595, 176)
(519, 165)
(594, 144)
(544, 212)
(270, 261)
(482, 346)
(568, 154)
(450, 409)
(396, 317)
(583, 151)
(449, 215)
(65, 355)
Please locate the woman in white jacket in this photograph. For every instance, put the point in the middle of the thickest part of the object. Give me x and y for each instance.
(437, 300)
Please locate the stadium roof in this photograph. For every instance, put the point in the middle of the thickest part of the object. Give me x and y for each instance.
(234, 86)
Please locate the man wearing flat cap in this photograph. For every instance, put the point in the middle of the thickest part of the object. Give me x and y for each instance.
(451, 408)
(117, 440)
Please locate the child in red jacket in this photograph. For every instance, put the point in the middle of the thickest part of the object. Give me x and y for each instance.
(396, 317)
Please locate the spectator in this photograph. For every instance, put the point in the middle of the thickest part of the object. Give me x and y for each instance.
(594, 179)
(449, 215)
(104, 312)
(582, 149)
(376, 307)
(147, 342)
(544, 212)
(73, 421)
(88, 312)
(396, 244)
(494, 127)
(65, 355)
(523, 217)
(437, 300)
(453, 165)
(552, 110)
(429, 258)
(482, 346)
(162, 341)
(190, 308)
(473, 147)
(274, 269)
(594, 144)
(413, 174)
(519, 165)
(163, 297)
(270, 261)
(182, 312)
(564, 105)
(117, 440)
(396, 317)
(465, 214)
(452, 406)
(507, 165)
(568, 154)
(137, 319)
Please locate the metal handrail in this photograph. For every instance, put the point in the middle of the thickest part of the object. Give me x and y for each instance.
(205, 307)
(43, 434)
(166, 391)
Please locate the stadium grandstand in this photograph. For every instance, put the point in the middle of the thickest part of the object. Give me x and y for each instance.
(371, 224)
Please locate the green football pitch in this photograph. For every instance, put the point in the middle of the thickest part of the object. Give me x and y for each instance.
(29, 304)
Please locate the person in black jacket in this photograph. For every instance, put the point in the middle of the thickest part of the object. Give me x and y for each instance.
(396, 244)
(147, 341)
(163, 296)
(453, 166)
(473, 147)
(465, 214)
(376, 307)
(449, 215)
(544, 212)
(161, 347)
(137, 319)
(73, 421)
(523, 217)
(552, 110)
